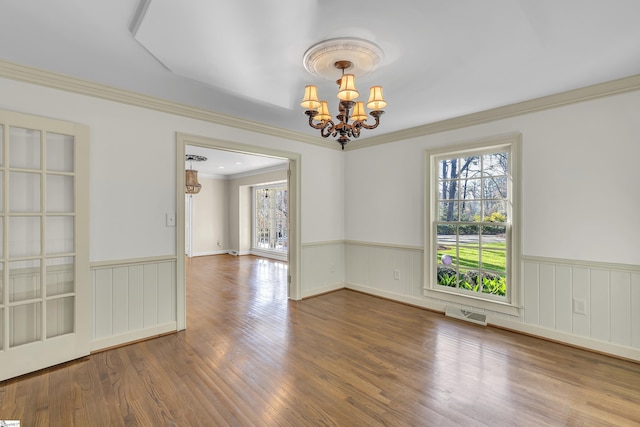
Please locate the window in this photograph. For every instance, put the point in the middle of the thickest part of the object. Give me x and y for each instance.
(472, 237)
(270, 217)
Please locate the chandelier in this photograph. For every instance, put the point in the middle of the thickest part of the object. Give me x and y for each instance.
(323, 59)
(192, 186)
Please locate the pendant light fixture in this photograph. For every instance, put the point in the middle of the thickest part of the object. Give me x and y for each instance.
(344, 54)
(192, 186)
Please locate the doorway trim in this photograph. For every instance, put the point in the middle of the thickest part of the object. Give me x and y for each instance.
(294, 179)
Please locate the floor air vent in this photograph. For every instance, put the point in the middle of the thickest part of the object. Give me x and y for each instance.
(469, 316)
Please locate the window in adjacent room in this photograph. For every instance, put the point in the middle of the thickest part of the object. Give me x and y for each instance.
(270, 217)
(472, 234)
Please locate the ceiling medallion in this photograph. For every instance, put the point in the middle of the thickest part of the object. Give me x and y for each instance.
(364, 56)
(357, 56)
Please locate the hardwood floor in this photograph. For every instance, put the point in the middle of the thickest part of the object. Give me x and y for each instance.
(250, 357)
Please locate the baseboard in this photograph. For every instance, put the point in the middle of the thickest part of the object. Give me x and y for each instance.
(607, 348)
(271, 255)
(237, 253)
(323, 290)
(132, 336)
(207, 253)
(418, 302)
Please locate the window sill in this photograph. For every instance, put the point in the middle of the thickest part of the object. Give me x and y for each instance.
(500, 307)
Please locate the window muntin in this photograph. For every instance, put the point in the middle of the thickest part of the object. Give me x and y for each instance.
(271, 218)
(470, 247)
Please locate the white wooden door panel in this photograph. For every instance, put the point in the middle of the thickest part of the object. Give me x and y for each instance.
(44, 263)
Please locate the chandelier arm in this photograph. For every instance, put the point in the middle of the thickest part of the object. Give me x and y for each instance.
(373, 126)
(312, 114)
(376, 115)
(355, 129)
(319, 125)
(328, 128)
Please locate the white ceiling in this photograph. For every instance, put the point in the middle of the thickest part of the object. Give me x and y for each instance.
(221, 163)
(243, 58)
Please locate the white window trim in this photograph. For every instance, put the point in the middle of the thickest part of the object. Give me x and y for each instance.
(513, 143)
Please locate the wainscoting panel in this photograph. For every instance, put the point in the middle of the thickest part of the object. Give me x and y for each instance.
(563, 302)
(635, 310)
(548, 303)
(591, 305)
(600, 315)
(394, 270)
(596, 301)
(323, 266)
(580, 294)
(531, 293)
(621, 301)
(132, 300)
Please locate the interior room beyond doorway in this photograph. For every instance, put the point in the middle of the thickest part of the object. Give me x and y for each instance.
(240, 206)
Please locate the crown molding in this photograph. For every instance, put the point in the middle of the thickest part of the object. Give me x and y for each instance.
(40, 77)
(600, 90)
(53, 80)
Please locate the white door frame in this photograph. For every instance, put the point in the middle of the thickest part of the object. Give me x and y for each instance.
(294, 180)
(188, 222)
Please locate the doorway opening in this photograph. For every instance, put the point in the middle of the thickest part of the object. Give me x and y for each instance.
(282, 167)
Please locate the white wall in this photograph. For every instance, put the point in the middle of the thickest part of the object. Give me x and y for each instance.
(580, 182)
(210, 216)
(133, 170)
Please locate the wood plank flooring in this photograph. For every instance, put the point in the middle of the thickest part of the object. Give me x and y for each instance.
(249, 357)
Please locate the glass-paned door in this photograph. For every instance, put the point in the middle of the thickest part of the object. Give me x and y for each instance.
(271, 223)
(44, 267)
